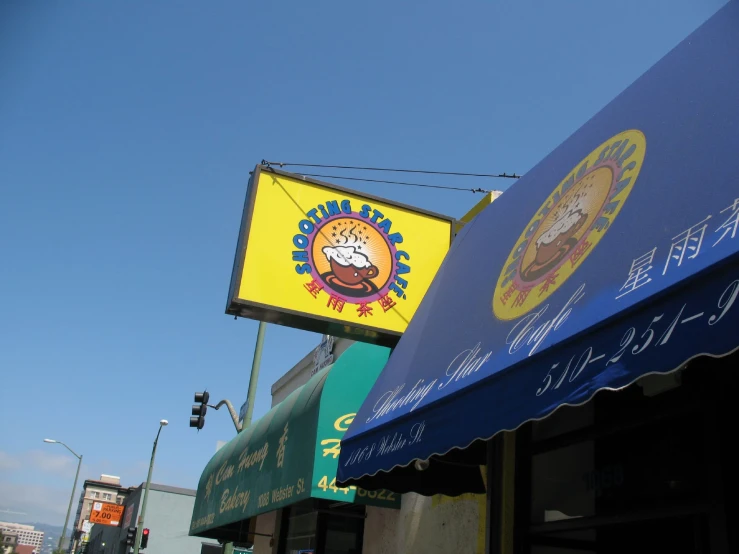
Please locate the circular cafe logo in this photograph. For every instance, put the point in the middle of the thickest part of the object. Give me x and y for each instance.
(351, 256)
(569, 225)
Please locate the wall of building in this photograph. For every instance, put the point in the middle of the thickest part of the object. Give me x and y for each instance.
(107, 489)
(301, 372)
(423, 524)
(266, 525)
(168, 514)
(427, 524)
(101, 493)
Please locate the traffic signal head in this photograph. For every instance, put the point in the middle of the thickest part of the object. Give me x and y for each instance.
(202, 397)
(199, 410)
(144, 539)
(198, 416)
(130, 536)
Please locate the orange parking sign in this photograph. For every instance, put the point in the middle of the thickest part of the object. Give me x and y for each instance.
(106, 513)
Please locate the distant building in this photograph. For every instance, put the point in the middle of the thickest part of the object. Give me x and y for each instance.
(106, 489)
(168, 515)
(26, 534)
(9, 542)
(27, 549)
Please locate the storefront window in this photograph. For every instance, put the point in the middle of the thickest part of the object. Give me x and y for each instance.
(654, 465)
(626, 472)
(344, 534)
(560, 487)
(302, 528)
(324, 527)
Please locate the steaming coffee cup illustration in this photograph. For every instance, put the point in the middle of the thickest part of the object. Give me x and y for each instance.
(554, 243)
(351, 270)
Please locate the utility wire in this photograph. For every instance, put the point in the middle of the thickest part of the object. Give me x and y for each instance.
(427, 172)
(393, 182)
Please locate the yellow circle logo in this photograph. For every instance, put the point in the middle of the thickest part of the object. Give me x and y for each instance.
(569, 225)
(353, 257)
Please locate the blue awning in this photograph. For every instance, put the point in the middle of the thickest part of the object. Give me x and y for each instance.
(615, 257)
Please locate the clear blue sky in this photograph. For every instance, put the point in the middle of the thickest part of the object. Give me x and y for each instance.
(127, 131)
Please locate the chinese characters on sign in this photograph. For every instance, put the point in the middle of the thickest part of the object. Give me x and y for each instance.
(281, 447)
(639, 273)
(731, 223)
(685, 246)
(688, 242)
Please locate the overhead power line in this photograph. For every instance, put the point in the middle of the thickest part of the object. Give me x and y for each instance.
(424, 171)
(394, 182)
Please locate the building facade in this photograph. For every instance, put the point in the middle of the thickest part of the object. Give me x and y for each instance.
(106, 489)
(417, 525)
(9, 542)
(26, 534)
(168, 513)
(423, 524)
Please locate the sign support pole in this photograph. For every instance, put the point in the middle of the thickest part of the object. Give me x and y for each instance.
(228, 547)
(254, 377)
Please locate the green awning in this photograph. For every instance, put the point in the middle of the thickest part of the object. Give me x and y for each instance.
(291, 454)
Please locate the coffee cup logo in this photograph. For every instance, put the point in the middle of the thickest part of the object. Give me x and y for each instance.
(561, 237)
(351, 256)
(349, 250)
(569, 225)
(350, 269)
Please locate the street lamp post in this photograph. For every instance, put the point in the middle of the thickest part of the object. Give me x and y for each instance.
(74, 487)
(140, 524)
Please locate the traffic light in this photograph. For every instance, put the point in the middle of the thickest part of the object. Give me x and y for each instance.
(130, 536)
(144, 539)
(198, 410)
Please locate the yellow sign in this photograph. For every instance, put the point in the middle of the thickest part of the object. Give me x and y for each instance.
(106, 513)
(569, 225)
(327, 259)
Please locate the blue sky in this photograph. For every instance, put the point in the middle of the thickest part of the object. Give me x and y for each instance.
(127, 131)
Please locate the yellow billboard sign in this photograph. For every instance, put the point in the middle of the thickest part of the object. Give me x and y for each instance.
(326, 259)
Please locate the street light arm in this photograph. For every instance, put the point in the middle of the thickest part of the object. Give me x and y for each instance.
(231, 411)
(72, 451)
(156, 440)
